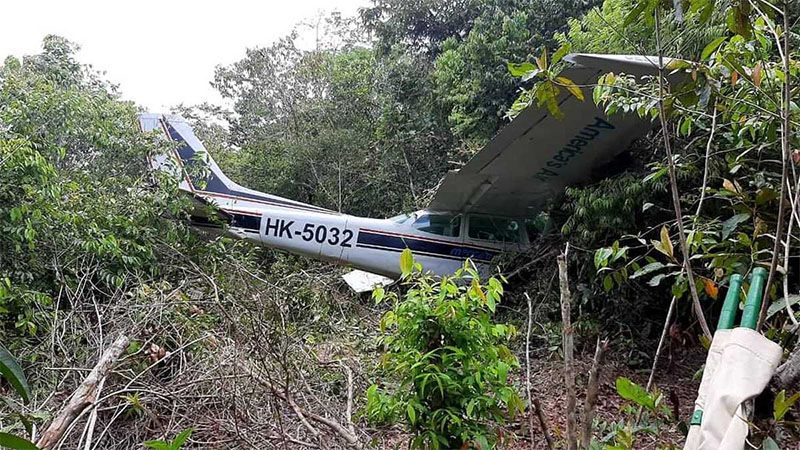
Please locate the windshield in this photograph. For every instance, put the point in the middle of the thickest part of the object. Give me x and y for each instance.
(494, 229)
(441, 224)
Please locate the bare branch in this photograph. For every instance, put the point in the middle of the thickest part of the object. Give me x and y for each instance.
(592, 389)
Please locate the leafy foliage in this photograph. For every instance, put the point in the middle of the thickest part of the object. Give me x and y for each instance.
(13, 442)
(448, 360)
(12, 372)
(175, 444)
(546, 89)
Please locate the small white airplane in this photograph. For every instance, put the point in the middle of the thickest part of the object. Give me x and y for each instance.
(478, 212)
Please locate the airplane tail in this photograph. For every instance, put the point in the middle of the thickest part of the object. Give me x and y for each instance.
(201, 176)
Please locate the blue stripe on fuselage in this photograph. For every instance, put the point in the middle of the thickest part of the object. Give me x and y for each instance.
(367, 238)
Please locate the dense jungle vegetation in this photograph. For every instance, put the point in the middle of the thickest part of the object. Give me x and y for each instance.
(219, 344)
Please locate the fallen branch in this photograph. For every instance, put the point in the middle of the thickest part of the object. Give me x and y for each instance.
(543, 423)
(567, 337)
(349, 410)
(84, 396)
(592, 390)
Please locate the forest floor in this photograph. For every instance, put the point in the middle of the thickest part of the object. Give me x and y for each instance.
(675, 379)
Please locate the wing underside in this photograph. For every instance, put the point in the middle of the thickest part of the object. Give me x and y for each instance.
(534, 157)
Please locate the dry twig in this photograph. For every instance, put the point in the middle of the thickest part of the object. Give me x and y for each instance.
(532, 402)
(592, 390)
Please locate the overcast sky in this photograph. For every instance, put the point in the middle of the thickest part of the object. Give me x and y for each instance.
(161, 53)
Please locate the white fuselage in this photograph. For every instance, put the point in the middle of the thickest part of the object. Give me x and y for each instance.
(440, 241)
(372, 245)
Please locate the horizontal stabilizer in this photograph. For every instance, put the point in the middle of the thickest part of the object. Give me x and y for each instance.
(361, 281)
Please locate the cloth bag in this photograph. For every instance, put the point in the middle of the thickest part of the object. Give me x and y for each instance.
(742, 370)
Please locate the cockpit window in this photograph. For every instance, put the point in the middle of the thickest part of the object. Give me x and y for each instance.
(441, 224)
(499, 229)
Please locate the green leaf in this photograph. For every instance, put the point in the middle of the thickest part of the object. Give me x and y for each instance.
(635, 12)
(686, 126)
(412, 413)
(561, 52)
(157, 445)
(652, 267)
(675, 64)
(520, 69)
(406, 262)
(656, 280)
(782, 405)
(482, 443)
(712, 47)
(181, 438)
(780, 305)
(490, 303)
(12, 372)
(680, 286)
(729, 225)
(770, 444)
(531, 75)
(631, 391)
(608, 283)
(13, 442)
(546, 95)
(601, 256)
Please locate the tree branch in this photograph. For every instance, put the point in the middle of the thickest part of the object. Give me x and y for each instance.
(673, 183)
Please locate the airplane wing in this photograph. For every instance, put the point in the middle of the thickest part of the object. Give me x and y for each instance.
(534, 157)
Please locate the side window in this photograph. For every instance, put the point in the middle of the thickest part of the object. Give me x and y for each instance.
(441, 224)
(494, 229)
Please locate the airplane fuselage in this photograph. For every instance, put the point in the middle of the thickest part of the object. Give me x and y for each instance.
(440, 241)
(372, 245)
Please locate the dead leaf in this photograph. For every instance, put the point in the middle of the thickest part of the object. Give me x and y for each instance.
(757, 74)
(728, 185)
(711, 288)
(666, 243)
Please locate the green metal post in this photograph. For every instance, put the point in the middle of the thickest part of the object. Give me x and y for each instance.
(752, 306)
(727, 317)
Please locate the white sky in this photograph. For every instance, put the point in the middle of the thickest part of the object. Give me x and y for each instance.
(161, 53)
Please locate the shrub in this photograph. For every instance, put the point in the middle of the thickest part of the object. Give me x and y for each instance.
(445, 359)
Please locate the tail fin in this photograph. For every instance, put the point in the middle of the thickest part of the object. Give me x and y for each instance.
(200, 174)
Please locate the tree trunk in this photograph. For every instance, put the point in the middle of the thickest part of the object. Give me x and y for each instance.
(567, 336)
